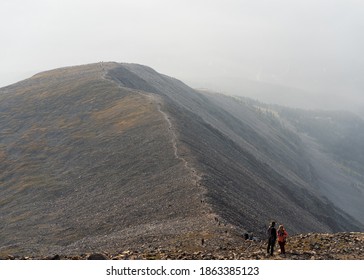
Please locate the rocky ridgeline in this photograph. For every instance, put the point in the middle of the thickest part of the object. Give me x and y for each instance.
(311, 246)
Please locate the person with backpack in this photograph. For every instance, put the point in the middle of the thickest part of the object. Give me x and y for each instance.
(282, 235)
(272, 237)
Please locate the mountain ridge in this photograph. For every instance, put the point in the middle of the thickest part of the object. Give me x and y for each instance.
(132, 148)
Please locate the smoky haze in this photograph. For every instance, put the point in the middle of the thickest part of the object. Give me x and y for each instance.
(297, 53)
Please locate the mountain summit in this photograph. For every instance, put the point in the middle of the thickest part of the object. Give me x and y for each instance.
(113, 155)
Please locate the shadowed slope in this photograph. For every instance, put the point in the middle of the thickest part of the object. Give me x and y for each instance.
(253, 169)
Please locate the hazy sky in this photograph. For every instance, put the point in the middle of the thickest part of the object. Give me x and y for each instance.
(312, 45)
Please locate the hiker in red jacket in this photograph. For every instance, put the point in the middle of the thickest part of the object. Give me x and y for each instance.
(282, 235)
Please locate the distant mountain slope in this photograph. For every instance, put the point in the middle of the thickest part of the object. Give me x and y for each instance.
(309, 163)
(109, 155)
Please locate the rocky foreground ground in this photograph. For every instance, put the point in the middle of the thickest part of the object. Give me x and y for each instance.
(311, 246)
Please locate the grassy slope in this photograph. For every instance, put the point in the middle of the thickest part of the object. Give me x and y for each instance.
(77, 166)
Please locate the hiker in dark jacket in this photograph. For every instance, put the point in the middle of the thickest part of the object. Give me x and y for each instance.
(272, 237)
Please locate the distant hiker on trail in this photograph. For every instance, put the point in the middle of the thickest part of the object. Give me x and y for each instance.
(282, 235)
(272, 237)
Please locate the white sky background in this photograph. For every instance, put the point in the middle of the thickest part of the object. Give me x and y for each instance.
(313, 45)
